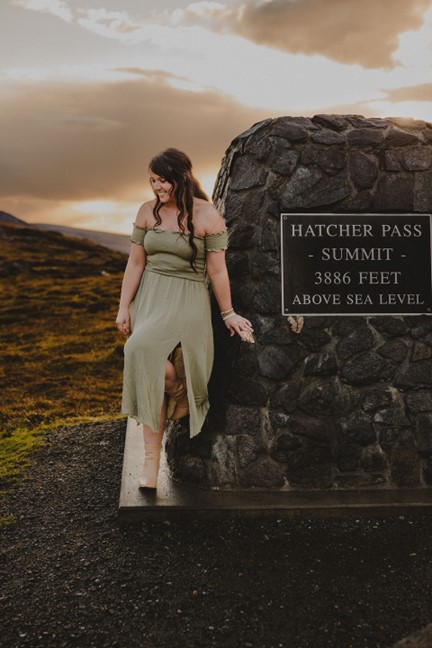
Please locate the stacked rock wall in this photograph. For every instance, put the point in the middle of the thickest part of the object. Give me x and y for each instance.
(346, 403)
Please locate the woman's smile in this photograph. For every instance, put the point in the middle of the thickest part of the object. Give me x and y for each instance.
(161, 187)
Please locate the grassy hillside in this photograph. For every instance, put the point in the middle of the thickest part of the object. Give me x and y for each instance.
(62, 356)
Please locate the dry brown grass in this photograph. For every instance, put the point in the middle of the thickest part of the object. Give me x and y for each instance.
(62, 357)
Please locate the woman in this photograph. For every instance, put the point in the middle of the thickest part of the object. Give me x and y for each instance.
(178, 238)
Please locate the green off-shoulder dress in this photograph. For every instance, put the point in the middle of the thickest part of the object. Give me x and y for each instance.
(171, 307)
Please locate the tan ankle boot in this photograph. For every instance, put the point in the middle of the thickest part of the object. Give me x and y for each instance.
(179, 394)
(150, 469)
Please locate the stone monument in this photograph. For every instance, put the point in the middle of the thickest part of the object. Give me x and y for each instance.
(345, 403)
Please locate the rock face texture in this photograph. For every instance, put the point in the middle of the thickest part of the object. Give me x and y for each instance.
(422, 639)
(345, 403)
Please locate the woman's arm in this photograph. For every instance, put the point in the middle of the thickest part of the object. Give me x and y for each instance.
(218, 274)
(132, 276)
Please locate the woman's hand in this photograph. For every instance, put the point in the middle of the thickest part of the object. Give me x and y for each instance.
(241, 326)
(123, 321)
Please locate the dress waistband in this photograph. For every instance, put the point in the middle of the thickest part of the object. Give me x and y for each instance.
(199, 278)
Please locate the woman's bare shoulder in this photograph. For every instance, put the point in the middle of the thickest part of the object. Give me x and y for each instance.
(210, 220)
(145, 217)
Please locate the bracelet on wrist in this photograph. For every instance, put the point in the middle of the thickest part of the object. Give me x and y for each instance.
(227, 312)
(225, 317)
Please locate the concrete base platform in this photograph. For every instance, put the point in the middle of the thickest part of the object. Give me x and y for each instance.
(177, 500)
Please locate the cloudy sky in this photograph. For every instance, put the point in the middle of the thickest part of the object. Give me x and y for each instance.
(92, 89)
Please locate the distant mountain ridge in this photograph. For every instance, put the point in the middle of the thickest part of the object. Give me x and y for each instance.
(117, 242)
(8, 218)
(37, 252)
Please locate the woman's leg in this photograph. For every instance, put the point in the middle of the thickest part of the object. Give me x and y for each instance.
(176, 387)
(153, 440)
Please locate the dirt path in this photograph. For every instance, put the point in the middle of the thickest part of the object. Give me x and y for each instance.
(74, 577)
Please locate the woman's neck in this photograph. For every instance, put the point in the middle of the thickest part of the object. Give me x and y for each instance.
(170, 209)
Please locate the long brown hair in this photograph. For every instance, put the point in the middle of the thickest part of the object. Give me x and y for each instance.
(176, 167)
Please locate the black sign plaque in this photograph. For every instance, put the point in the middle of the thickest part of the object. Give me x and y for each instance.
(356, 264)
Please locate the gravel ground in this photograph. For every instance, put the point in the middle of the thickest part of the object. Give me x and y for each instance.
(75, 577)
